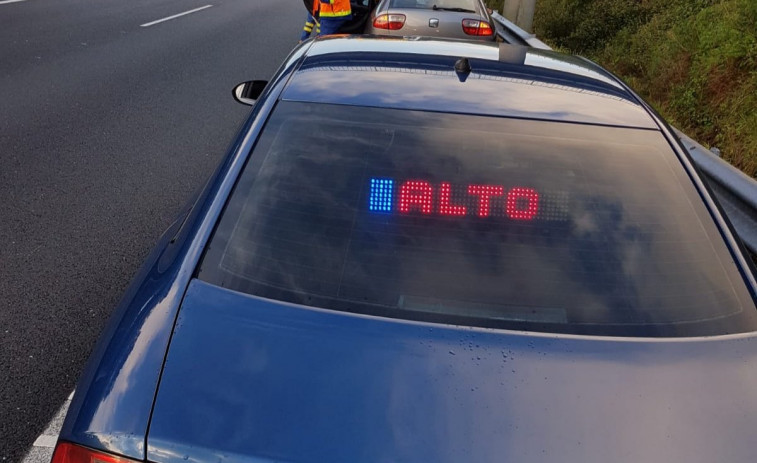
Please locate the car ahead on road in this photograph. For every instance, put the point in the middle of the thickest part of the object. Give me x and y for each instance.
(431, 250)
(456, 19)
(459, 19)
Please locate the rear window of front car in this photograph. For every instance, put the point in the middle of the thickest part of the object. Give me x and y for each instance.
(481, 221)
(441, 5)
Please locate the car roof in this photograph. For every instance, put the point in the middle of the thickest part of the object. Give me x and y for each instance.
(505, 80)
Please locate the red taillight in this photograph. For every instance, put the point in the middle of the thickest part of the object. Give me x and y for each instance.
(392, 22)
(477, 27)
(70, 453)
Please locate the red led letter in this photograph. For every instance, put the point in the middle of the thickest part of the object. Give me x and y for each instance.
(445, 207)
(416, 193)
(485, 193)
(529, 203)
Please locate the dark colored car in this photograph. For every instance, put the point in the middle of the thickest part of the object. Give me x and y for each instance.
(434, 251)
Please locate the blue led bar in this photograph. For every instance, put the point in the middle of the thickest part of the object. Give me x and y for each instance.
(382, 192)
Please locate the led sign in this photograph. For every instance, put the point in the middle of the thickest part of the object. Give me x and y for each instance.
(421, 197)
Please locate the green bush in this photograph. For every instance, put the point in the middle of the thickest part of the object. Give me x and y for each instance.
(586, 25)
(694, 60)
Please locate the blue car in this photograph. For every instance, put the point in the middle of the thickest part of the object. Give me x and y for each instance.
(423, 250)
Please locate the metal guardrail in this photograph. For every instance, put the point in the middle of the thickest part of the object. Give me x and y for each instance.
(735, 191)
(509, 31)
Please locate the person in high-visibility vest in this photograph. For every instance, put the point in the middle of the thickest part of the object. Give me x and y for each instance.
(310, 23)
(333, 14)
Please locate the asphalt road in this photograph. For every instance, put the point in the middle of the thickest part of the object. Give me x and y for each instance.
(106, 128)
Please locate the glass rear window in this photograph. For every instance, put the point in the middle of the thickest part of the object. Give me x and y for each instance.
(441, 5)
(481, 221)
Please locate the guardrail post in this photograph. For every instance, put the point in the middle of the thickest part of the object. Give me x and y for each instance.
(521, 12)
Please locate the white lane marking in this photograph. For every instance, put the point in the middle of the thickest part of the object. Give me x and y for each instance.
(46, 441)
(42, 449)
(11, 1)
(175, 16)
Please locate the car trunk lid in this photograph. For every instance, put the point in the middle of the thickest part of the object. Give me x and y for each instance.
(252, 380)
(436, 23)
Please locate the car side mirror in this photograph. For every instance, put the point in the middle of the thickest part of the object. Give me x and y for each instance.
(248, 92)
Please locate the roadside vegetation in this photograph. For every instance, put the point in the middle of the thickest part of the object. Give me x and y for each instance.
(695, 61)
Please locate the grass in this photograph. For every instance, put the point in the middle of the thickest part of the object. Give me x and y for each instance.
(695, 61)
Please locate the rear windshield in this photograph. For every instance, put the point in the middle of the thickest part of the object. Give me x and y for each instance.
(442, 5)
(482, 221)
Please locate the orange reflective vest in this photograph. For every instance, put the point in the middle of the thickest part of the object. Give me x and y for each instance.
(335, 8)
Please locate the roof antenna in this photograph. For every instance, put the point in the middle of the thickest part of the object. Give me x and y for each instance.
(462, 68)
